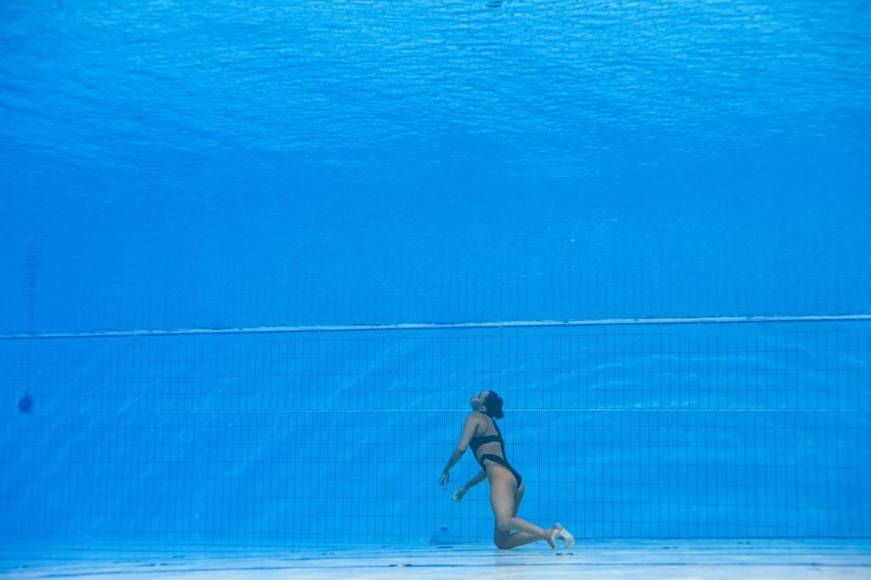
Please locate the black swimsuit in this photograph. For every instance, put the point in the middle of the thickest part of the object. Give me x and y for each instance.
(476, 442)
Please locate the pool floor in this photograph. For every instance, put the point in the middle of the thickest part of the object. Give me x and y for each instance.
(709, 559)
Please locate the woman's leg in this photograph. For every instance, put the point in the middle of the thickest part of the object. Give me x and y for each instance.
(507, 540)
(500, 536)
(502, 499)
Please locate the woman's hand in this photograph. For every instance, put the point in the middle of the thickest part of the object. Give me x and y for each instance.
(458, 495)
(444, 478)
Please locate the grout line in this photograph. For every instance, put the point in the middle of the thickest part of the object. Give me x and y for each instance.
(441, 326)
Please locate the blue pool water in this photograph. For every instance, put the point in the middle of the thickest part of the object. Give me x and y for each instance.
(183, 165)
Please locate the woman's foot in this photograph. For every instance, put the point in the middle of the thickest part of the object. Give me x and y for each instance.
(550, 537)
(564, 534)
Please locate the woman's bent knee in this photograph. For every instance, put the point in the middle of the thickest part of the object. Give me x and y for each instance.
(502, 542)
(503, 525)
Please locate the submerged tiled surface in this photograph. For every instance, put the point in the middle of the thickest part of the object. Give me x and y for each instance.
(692, 431)
(765, 559)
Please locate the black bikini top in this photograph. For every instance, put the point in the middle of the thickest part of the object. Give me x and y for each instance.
(476, 442)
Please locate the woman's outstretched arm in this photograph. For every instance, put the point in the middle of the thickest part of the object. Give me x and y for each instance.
(458, 495)
(468, 433)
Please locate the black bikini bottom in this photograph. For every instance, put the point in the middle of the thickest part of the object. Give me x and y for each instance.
(503, 463)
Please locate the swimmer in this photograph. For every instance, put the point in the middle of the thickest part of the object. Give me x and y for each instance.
(506, 485)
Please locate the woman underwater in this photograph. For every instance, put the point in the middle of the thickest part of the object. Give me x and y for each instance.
(506, 485)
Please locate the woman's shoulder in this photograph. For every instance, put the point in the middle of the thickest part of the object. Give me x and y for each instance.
(477, 417)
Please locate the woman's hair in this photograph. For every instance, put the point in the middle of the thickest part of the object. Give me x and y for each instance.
(494, 405)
